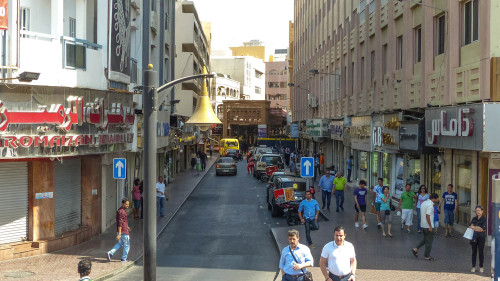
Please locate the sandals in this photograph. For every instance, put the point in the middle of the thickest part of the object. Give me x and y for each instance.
(390, 235)
(430, 259)
(415, 253)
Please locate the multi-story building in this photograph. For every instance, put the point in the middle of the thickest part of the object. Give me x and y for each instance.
(249, 71)
(398, 85)
(291, 34)
(276, 93)
(224, 88)
(253, 48)
(61, 130)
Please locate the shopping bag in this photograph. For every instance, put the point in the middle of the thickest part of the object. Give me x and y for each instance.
(469, 233)
(372, 209)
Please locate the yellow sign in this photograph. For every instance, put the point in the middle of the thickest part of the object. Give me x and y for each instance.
(499, 214)
(295, 186)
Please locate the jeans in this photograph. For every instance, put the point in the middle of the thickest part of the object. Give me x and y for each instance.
(449, 217)
(203, 165)
(123, 242)
(310, 224)
(160, 205)
(428, 238)
(339, 196)
(324, 196)
(288, 277)
(349, 171)
(418, 219)
(478, 245)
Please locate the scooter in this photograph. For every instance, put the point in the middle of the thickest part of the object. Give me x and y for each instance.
(291, 213)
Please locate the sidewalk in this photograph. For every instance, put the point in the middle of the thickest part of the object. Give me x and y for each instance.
(62, 265)
(385, 258)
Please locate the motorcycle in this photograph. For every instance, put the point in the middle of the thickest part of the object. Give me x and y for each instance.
(291, 210)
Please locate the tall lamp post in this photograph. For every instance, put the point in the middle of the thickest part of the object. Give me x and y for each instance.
(203, 117)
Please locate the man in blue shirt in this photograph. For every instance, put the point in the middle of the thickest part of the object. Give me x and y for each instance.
(310, 207)
(326, 184)
(293, 267)
(450, 208)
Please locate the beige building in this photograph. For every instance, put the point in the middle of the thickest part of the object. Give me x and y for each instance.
(253, 48)
(398, 85)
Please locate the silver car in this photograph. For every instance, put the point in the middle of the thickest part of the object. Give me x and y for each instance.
(226, 165)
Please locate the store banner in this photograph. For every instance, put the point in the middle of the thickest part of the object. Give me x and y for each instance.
(409, 137)
(318, 128)
(262, 131)
(4, 16)
(294, 133)
(337, 130)
(360, 133)
(385, 132)
(119, 43)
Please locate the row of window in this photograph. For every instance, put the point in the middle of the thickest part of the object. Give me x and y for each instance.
(276, 72)
(276, 84)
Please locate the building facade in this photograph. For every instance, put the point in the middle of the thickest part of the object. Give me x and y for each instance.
(382, 70)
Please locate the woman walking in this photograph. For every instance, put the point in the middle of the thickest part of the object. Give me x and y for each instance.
(385, 211)
(478, 224)
(136, 197)
(422, 196)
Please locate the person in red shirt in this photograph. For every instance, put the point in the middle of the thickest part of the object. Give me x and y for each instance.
(122, 235)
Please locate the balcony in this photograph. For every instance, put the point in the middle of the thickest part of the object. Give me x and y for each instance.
(64, 61)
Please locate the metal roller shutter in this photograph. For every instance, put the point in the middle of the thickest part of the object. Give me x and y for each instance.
(110, 196)
(68, 195)
(13, 202)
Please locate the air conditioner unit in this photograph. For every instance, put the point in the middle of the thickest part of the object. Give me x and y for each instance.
(312, 101)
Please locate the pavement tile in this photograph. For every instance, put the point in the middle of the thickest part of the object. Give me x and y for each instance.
(62, 265)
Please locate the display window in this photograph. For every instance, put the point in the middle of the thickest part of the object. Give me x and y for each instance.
(463, 183)
(413, 171)
(363, 165)
(387, 168)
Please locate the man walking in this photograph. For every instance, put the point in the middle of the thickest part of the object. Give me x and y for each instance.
(122, 235)
(406, 206)
(310, 207)
(360, 203)
(326, 184)
(349, 168)
(378, 191)
(339, 183)
(427, 216)
(211, 149)
(160, 197)
(295, 258)
(450, 209)
(338, 258)
(203, 158)
(84, 269)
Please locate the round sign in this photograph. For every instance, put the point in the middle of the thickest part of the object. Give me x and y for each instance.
(295, 186)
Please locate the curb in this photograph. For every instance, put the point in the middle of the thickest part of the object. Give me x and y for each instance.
(136, 261)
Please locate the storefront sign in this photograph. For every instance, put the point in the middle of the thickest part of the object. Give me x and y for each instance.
(44, 195)
(119, 49)
(75, 113)
(385, 132)
(294, 130)
(337, 130)
(64, 140)
(4, 17)
(318, 128)
(262, 131)
(459, 127)
(217, 130)
(409, 137)
(360, 133)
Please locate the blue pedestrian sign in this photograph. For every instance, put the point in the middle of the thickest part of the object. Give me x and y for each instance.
(119, 168)
(307, 167)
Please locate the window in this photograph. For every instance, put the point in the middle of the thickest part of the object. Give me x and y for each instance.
(72, 27)
(75, 55)
(362, 14)
(384, 59)
(418, 44)
(471, 21)
(372, 67)
(440, 33)
(257, 90)
(273, 85)
(352, 78)
(371, 8)
(399, 52)
(362, 72)
(153, 5)
(25, 18)
(282, 84)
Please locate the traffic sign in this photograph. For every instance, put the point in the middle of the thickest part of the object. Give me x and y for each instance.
(119, 168)
(307, 167)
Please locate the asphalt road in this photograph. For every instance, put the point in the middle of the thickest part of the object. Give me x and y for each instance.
(221, 233)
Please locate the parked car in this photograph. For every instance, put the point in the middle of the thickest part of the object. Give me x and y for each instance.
(226, 165)
(270, 183)
(299, 186)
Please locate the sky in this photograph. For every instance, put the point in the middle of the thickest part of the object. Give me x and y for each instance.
(238, 21)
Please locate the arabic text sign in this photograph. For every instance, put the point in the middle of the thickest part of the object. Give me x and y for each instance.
(455, 127)
(44, 195)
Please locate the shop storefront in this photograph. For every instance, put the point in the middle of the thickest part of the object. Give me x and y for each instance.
(361, 147)
(319, 131)
(468, 135)
(52, 151)
(337, 136)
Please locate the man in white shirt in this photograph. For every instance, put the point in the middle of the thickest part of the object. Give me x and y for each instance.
(160, 196)
(338, 258)
(426, 219)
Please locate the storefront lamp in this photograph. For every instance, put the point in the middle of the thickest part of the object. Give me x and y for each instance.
(28, 76)
(203, 116)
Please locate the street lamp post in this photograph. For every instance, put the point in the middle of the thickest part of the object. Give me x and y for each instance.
(203, 117)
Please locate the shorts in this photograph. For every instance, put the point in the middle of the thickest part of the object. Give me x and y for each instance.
(449, 217)
(385, 218)
(377, 206)
(407, 216)
(362, 207)
(436, 224)
(137, 204)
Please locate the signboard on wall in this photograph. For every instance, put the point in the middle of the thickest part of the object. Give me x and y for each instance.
(4, 16)
(262, 130)
(385, 132)
(119, 43)
(360, 133)
(337, 130)
(294, 130)
(318, 128)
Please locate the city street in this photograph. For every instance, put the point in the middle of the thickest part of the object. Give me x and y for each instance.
(221, 233)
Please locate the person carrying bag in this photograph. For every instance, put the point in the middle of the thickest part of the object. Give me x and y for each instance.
(307, 275)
